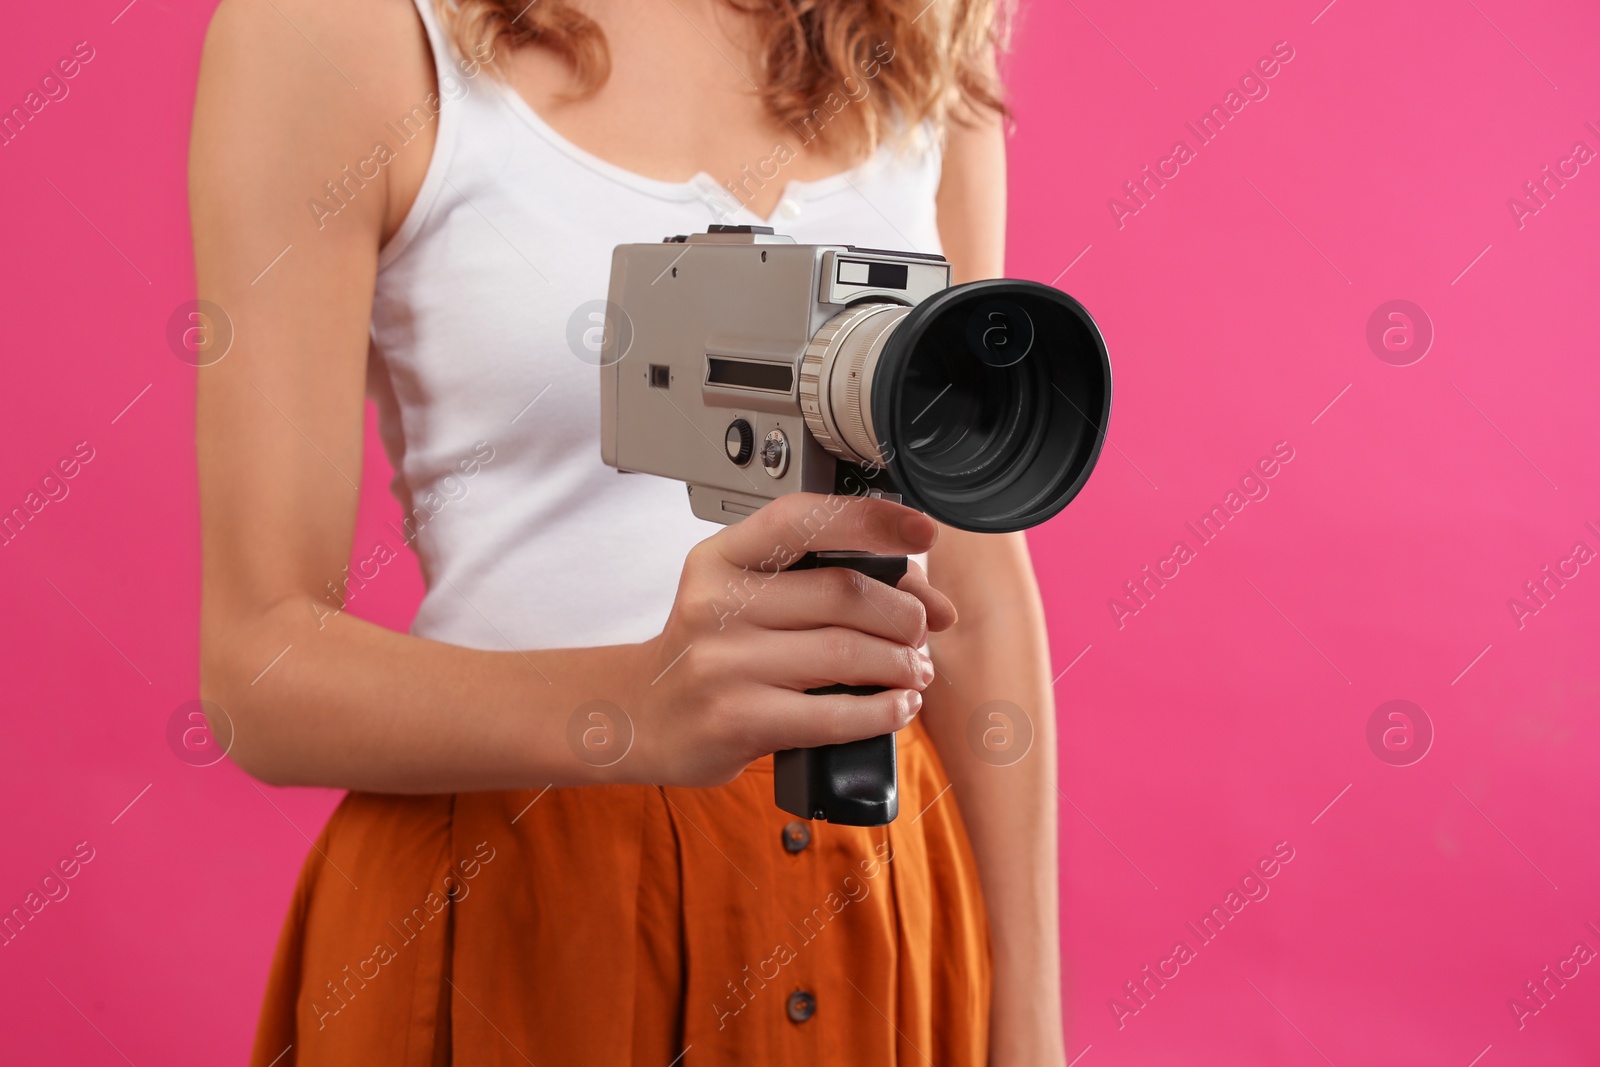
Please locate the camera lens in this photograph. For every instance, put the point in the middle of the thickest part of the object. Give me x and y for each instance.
(836, 380)
(987, 403)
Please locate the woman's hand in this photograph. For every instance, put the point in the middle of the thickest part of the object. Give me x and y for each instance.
(723, 684)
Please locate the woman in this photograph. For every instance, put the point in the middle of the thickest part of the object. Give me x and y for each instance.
(417, 204)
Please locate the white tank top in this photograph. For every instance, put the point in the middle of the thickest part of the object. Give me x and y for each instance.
(492, 422)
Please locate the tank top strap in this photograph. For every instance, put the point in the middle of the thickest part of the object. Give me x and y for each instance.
(437, 38)
(444, 107)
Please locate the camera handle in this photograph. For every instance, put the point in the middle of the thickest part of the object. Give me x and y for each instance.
(854, 783)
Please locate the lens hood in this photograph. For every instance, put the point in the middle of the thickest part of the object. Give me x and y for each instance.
(991, 400)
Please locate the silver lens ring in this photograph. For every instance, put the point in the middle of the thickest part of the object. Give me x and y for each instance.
(836, 380)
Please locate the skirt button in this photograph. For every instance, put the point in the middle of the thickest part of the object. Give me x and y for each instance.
(801, 1005)
(796, 836)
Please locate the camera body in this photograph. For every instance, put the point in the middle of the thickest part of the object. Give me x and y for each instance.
(703, 368)
(749, 366)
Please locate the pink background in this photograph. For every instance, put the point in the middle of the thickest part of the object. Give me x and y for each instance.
(1222, 718)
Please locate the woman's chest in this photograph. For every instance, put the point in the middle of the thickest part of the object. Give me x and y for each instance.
(681, 99)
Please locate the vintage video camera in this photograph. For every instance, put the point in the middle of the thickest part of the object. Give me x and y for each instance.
(749, 366)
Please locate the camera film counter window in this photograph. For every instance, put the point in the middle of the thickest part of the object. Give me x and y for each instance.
(875, 275)
(849, 277)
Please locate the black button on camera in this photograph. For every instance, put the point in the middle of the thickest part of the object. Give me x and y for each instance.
(796, 836)
(740, 442)
(801, 1006)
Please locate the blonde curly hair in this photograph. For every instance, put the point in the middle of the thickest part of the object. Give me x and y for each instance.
(927, 58)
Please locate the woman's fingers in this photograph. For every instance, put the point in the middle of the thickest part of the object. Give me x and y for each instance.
(832, 655)
(835, 596)
(940, 609)
(803, 720)
(761, 635)
(789, 527)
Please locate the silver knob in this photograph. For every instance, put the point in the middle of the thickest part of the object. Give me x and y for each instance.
(775, 454)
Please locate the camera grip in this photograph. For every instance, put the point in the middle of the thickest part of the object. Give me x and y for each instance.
(855, 783)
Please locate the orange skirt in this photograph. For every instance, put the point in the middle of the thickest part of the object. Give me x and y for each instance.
(636, 925)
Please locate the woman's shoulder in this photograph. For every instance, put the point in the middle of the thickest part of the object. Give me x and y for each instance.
(351, 37)
(309, 84)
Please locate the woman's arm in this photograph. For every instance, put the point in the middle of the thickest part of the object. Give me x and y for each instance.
(997, 650)
(332, 700)
(279, 419)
